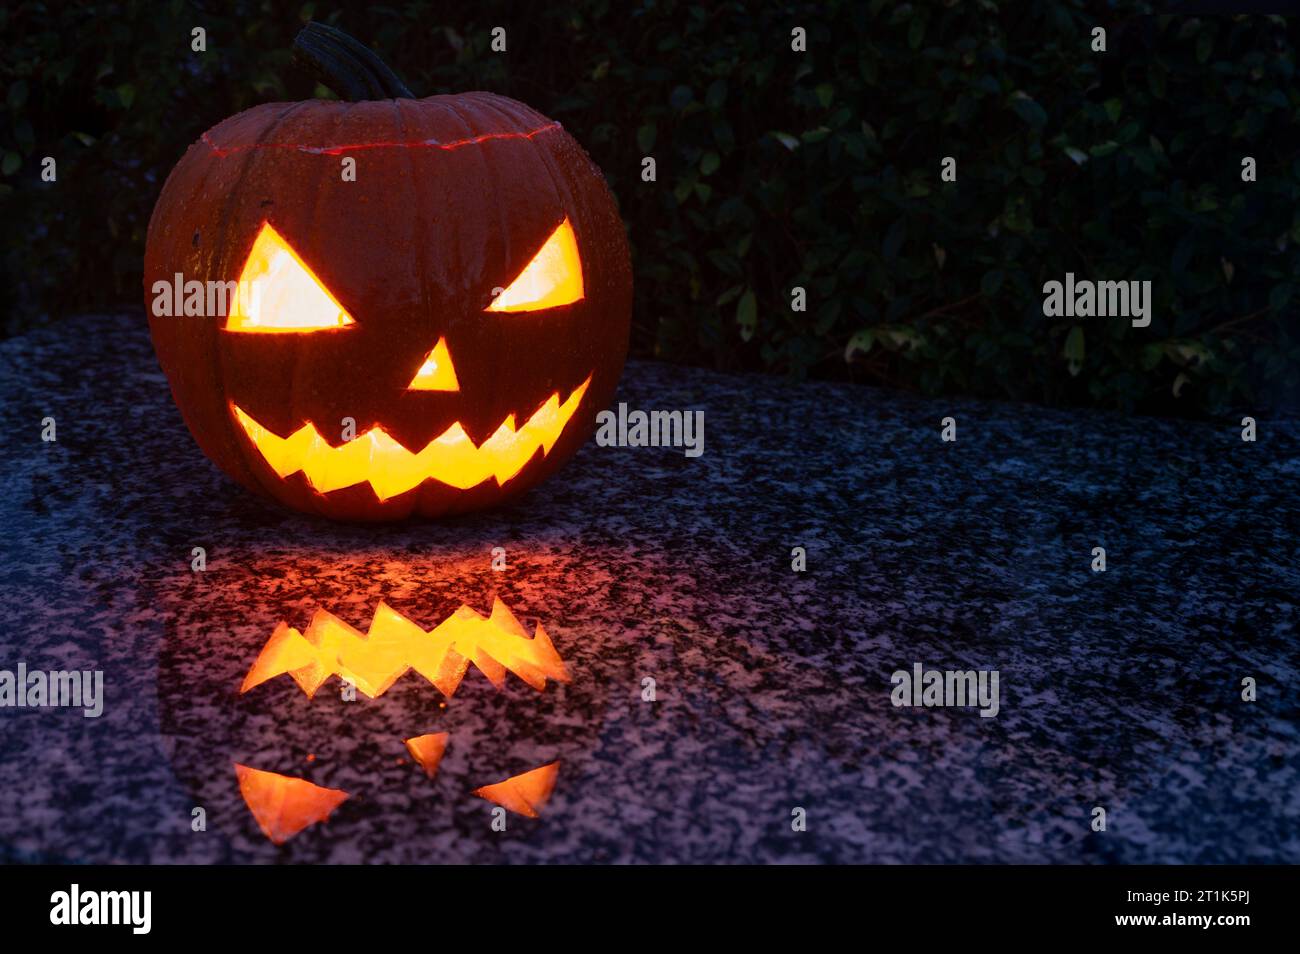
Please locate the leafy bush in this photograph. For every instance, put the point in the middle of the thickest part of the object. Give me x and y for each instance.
(775, 169)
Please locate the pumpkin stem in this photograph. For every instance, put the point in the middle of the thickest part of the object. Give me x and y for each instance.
(348, 67)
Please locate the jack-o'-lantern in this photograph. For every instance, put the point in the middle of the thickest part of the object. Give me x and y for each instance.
(423, 302)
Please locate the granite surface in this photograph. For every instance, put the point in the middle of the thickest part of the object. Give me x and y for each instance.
(772, 688)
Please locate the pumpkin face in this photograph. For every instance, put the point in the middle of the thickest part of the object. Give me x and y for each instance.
(429, 337)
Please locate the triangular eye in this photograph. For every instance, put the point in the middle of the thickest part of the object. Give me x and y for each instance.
(277, 292)
(551, 279)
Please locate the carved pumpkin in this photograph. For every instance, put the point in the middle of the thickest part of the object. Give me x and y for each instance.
(430, 336)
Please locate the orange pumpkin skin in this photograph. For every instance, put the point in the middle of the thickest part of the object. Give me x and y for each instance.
(453, 196)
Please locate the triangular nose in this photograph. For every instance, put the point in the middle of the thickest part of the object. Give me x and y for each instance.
(437, 372)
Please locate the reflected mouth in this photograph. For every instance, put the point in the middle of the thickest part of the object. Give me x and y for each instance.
(382, 461)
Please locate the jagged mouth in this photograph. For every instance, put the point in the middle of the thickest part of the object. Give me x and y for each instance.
(377, 458)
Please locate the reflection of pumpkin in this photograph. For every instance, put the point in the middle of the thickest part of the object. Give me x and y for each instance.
(455, 711)
(371, 662)
(373, 300)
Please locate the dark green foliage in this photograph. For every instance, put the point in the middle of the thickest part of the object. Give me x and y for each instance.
(775, 169)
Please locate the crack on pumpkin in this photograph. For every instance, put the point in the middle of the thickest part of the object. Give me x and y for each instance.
(206, 139)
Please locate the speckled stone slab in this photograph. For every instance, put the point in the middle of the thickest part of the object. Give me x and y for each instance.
(772, 688)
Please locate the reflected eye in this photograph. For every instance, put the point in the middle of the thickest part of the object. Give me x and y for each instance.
(277, 292)
(551, 279)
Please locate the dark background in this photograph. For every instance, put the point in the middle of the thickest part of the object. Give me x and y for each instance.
(775, 169)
